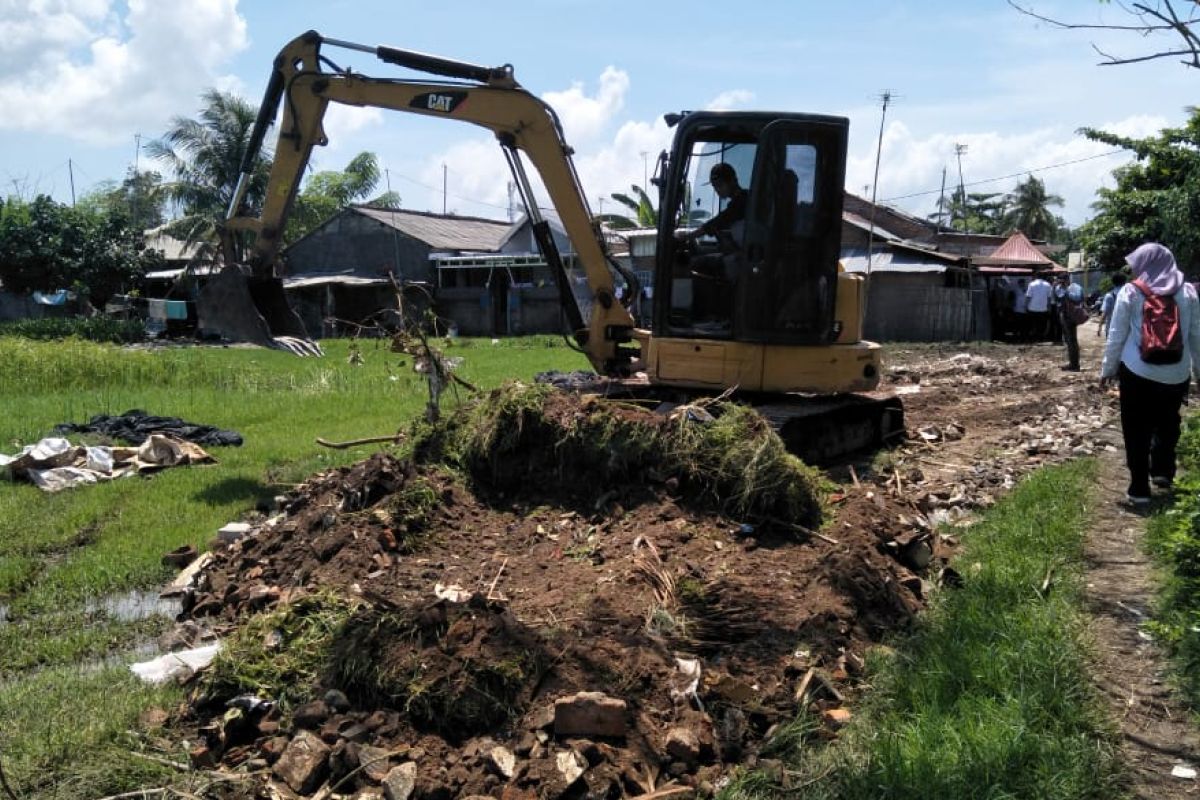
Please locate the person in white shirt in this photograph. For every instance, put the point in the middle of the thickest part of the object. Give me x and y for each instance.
(1037, 298)
(1151, 394)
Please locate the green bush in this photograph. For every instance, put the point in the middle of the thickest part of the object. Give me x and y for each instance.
(96, 329)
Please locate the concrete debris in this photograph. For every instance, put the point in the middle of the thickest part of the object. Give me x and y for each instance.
(234, 531)
(589, 714)
(504, 761)
(303, 764)
(570, 765)
(401, 781)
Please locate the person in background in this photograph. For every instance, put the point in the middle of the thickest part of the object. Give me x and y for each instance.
(1107, 303)
(1068, 297)
(1151, 393)
(1037, 308)
(1020, 318)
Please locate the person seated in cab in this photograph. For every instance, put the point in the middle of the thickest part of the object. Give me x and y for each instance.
(724, 181)
(715, 271)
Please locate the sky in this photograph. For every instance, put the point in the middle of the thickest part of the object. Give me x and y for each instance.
(85, 84)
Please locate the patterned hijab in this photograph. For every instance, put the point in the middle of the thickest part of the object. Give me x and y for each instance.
(1155, 266)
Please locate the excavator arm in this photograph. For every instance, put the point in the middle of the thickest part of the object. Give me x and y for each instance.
(303, 83)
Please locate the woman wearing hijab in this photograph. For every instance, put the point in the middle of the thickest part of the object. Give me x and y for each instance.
(1151, 393)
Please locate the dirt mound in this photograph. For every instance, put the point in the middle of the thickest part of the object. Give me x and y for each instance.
(548, 595)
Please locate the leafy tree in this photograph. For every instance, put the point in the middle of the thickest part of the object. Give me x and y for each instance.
(30, 241)
(140, 196)
(46, 246)
(204, 156)
(327, 193)
(1028, 210)
(974, 212)
(1156, 198)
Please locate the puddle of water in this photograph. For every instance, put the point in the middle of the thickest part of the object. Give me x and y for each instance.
(136, 605)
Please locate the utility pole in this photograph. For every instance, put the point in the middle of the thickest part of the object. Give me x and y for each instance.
(884, 98)
(942, 200)
(443, 188)
(645, 171)
(71, 174)
(133, 193)
(959, 150)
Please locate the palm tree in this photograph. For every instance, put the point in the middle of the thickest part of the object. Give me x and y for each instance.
(973, 212)
(327, 193)
(1029, 209)
(645, 215)
(204, 156)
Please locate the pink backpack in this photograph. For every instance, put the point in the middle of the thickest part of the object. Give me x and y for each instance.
(1162, 338)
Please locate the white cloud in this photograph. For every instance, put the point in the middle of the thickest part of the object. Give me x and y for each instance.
(586, 117)
(342, 122)
(477, 171)
(1069, 165)
(79, 69)
(726, 101)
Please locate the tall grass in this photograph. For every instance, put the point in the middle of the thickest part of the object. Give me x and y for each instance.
(1173, 539)
(989, 697)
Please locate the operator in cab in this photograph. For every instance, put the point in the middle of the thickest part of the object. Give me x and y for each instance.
(715, 270)
(724, 181)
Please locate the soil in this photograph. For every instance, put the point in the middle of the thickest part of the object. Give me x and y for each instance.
(504, 601)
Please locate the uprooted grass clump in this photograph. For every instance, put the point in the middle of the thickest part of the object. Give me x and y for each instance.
(722, 454)
(454, 670)
(282, 654)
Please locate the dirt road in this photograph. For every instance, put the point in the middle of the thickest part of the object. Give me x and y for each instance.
(1158, 736)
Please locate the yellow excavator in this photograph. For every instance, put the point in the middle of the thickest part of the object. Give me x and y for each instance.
(747, 292)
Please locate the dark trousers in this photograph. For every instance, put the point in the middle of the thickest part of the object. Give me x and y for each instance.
(1150, 425)
(1039, 325)
(1071, 337)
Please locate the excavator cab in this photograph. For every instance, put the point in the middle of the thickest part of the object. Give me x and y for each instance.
(754, 298)
(769, 273)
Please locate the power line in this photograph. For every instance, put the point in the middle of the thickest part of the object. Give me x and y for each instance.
(1009, 177)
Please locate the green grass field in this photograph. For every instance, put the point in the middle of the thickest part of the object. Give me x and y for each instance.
(61, 553)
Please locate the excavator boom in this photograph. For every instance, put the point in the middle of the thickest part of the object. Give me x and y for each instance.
(488, 97)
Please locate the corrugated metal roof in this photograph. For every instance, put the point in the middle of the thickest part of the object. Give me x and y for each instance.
(855, 260)
(172, 274)
(1017, 248)
(446, 233)
(864, 224)
(302, 281)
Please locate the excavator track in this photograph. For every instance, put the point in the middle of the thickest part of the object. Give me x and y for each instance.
(818, 429)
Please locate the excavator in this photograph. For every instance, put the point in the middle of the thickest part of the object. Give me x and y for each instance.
(748, 295)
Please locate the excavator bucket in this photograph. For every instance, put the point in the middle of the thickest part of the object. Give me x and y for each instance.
(250, 309)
